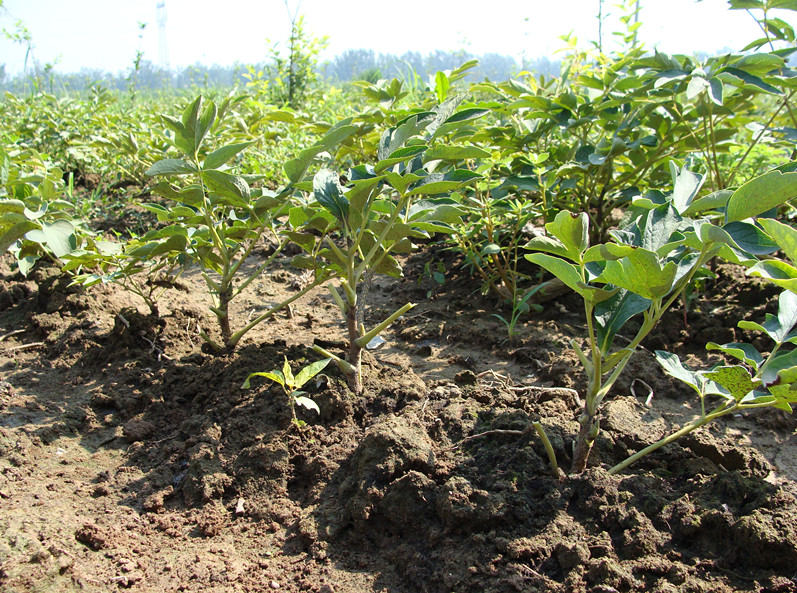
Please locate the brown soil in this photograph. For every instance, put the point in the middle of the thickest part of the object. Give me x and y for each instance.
(130, 459)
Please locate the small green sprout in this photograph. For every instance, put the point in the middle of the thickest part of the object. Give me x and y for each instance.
(291, 384)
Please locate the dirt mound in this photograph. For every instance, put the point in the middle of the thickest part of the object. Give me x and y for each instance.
(130, 459)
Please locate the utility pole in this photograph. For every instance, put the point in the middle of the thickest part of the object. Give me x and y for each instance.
(163, 48)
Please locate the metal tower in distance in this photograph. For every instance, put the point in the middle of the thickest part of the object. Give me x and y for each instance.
(163, 48)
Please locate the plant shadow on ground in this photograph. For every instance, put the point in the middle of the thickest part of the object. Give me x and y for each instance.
(378, 493)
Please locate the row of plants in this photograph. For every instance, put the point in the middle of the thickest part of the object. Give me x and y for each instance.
(585, 159)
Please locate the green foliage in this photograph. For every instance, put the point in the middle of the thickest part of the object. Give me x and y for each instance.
(643, 271)
(291, 385)
(759, 382)
(35, 221)
(214, 219)
(288, 80)
(385, 207)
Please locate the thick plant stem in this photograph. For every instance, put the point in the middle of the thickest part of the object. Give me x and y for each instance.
(586, 438)
(223, 312)
(355, 352)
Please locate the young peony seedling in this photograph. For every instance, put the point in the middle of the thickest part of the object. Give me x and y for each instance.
(291, 384)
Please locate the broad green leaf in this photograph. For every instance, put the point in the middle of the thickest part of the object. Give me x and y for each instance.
(437, 183)
(441, 86)
(454, 152)
(275, 376)
(572, 230)
(564, 270)
(612, 314)
(59, 236)
(399, 156)
(10, 234)
(673, 366)
(780, 369)
(686, 186)
(712, 201)
(784, 235)
(467, 114)
(734, 75)
(360, 196)
(232, 187)
(329, 193)
(778, 328)
(288, 374)
(641, 273)
(736, 379)
(761, 194)
(740, 351)
(401, 182)
(607, 251)
(310, 371)
(660, 224)
(548, 245)
(204, 123)
(182, 139)
(171, 167)
(753, 240)
(778, 272)
(221, 156)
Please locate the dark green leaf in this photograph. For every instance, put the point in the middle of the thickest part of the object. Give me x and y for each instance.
(329, 193)
(612, 314)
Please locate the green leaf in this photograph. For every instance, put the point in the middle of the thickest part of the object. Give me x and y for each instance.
(761, 194)
(454, 152)
(221, 156)
(11, 233)
(572, 230)
(778, 272)
(712, 201)
(399, 156)
(401, 182)
(660, 223)
(290, 382)
(329, 193)
(777, 328)
(736, 379)
(310, 371)
(612, 314)
(171, 167)
(740, 351)
(607, 251)
(641, 273)
(441, 86)
(755, 241)
(784, 235)
(59, 237)
(686, 186)
(734, 75)
(204, 124)
(275, 376)
(232, 187)
(780, 369)
(548, 245)
(437, 183)
(564, 270)
(673, 366)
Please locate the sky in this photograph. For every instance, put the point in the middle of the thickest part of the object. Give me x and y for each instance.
(105, 34)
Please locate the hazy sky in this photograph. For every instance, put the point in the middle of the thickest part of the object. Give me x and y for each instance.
(104, 33)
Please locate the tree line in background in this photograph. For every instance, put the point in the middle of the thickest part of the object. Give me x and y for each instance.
(351, 65)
